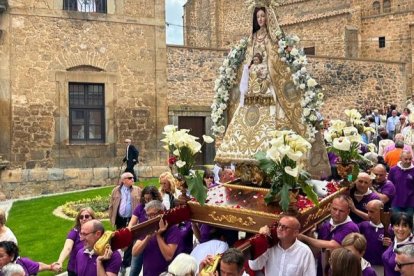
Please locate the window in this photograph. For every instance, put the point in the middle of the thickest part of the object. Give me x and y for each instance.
(381, 42)
(376, 6)
(309, 51)
(86, 113)
(85, 5)
(386, 6)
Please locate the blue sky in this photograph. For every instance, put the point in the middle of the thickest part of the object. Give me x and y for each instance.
(173, 15)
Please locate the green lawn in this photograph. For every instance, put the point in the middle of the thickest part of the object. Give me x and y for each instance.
(40, 234)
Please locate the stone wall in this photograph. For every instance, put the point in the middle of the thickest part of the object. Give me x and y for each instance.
(42, 49)
(191, 75)
(353, 83)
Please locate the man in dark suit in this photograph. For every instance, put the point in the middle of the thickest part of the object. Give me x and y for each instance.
(131, 158)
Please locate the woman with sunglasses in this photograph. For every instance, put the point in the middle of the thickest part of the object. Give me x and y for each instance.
(73, 243)
(402, 225)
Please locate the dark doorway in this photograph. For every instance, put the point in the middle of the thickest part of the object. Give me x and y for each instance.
(197, 127)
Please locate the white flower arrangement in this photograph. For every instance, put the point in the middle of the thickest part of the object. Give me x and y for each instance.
(183, 148)
(224, 83)
(312, 97)
(283, 164)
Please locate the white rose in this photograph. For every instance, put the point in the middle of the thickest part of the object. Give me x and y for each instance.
(208, 139)
(303, 70)
(294, 52)
(302, 86)
(311, 82)
(306, 111)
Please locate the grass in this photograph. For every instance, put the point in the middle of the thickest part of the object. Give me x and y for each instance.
(41, 234)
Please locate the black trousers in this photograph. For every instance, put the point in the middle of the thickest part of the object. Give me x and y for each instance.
(130, 168)
(121, 222)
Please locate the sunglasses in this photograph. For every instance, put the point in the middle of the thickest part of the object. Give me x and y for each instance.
(84, 216)
(129, 177)
(284, 227)
(404, 264)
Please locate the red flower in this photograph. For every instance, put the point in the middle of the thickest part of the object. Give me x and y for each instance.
(172, 159)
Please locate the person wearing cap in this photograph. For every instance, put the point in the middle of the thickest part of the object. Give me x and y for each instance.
(131, 157)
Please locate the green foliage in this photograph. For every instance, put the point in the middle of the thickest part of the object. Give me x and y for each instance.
(196, 186)
(41, 234)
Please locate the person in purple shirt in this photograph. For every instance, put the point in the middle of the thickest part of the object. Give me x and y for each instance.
(9, 253)
(373, 231)
(138, 216)
(402, 224)
(402, 176)
(332, 232)
(383, 187)
(159, 248)
(357, 244)
(73, 243)
(361, 195)
(90, 264)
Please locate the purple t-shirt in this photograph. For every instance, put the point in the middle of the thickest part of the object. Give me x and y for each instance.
(369, 271)
(186, 240)
(361, 205)
(154, 262)
(30, 267)
(374, 237)
(77, 245)
(387, 189)
(86, 264)
(140, 213)
(404, 187)
(388, 260)
(339, 233)
(205, 231)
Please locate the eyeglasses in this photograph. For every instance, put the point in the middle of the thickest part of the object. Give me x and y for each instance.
(129, 177)
(284, 227)
(84, 216)
(85, 234)
(404, 264)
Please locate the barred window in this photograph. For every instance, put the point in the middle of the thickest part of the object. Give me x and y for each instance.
(86, 113)
(85, 5)
(386, 6)
(376, 6)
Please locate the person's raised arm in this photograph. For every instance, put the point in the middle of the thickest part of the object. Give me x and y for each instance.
(167, 250)
(332, 244)
(133, 221)
(67, 248)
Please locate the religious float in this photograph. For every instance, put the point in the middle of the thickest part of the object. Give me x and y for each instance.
(272, 105)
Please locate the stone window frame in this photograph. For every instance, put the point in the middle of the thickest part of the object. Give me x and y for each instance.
(63, 78)
(85, 107)
(376, 7)
(386, 6)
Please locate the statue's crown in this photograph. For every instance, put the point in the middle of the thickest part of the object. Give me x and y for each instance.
(252, 4)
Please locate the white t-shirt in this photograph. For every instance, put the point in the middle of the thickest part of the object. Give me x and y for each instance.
(297, 260)
(8, 236)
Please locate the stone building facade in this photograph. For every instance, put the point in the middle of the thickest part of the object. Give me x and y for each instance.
(378, 30)
(67, 69)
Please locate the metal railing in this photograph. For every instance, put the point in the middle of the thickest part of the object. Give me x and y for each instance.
(98, 6)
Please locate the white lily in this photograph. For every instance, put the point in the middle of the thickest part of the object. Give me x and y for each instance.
(293, 172)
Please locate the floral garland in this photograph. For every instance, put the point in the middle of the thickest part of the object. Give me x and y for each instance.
(224, 83)
(295, 58)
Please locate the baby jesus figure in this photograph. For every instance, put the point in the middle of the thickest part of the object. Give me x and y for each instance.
(258, 75)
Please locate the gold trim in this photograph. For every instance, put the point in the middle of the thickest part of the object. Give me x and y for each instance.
(254, 189)
(232, 219)
(235, 210)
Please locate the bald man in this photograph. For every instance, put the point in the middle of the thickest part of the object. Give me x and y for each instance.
(373, 231)
(290, 256)
(361, 194)
(383, 187)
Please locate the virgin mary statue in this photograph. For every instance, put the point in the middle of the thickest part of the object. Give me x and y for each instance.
(269, 99)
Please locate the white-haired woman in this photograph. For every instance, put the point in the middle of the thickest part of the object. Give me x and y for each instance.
(5, 233)
(182, 265)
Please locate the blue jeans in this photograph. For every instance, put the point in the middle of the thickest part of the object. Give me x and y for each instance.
(136, 265)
